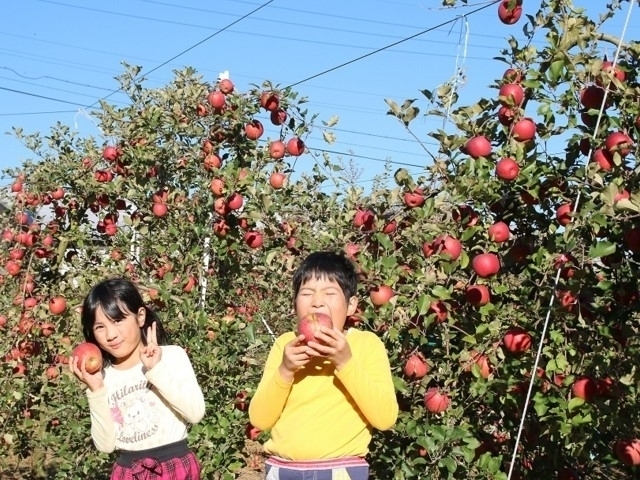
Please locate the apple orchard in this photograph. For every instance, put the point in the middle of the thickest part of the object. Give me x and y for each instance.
(525, 221)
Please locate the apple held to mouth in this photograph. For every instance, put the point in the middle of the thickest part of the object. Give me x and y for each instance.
(310, 324)
(92, 353)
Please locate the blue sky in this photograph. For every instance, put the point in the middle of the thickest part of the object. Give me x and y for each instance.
(71, 50)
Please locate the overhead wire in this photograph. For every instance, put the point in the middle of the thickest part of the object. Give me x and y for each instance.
(386, 47)
(217, 32)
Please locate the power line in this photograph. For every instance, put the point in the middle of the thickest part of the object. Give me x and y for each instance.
(19, 114)
(71, 82)
(386, 47)
(41, 96)
(193, 46)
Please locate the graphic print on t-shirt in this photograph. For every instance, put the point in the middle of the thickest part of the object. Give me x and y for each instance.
(135, 412)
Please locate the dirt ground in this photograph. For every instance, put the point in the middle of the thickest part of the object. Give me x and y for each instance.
(254, 470)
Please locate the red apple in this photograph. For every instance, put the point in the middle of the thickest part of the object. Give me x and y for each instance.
(506, 115)
(364, 219)
(58, 193)
(251, 432)
(253, 239)
(416, 367)
(103, 176)
(439, 309)
(414, 199)
(310, 324)
(585, 388)
(524, 130)
(499, 232)
(563, 214)
(295, 147)
(592, 97)
(478, 147)
(254, 130)
(447, 246)
(212, 161)
(604, 159)
(13, 267)
(477, 295)
(234, 201)
(217, 186)
(91, 353)
(269, 101)
(201, 110)
(615, 71)
(57, 305)
(216, 99)
(511, 94)
(277, 179)
(486, 264)
(390, 227)
(621, 195)
(351, 249)
(510, 15)
(278, 117)
(619, 142)
(435, 401)
(483, 363)
(226, 86)
(160, 209)
(628, 451)
(507, 169)
(381, 294)
(277, 149)
(110, 153)
(517, 340)
(512, 75)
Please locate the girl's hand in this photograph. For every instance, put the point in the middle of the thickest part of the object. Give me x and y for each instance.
(151, 353)
(93, 381)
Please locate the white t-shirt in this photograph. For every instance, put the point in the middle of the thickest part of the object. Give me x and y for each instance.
(139, 409)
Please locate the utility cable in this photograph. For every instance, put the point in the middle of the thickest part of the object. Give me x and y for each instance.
(386, 47)
(217, 32)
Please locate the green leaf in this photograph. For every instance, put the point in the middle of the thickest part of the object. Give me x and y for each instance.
(574, 403)
(449, 463)
(441, 292)
(602, 249)
(555, 70)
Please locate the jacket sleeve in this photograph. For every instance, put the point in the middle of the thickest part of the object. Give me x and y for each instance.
(272, 392)
(103, 430)
(367, 378)
(176, 382)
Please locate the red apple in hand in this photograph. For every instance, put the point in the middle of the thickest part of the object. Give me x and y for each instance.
(92, 353)
(310, 324)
